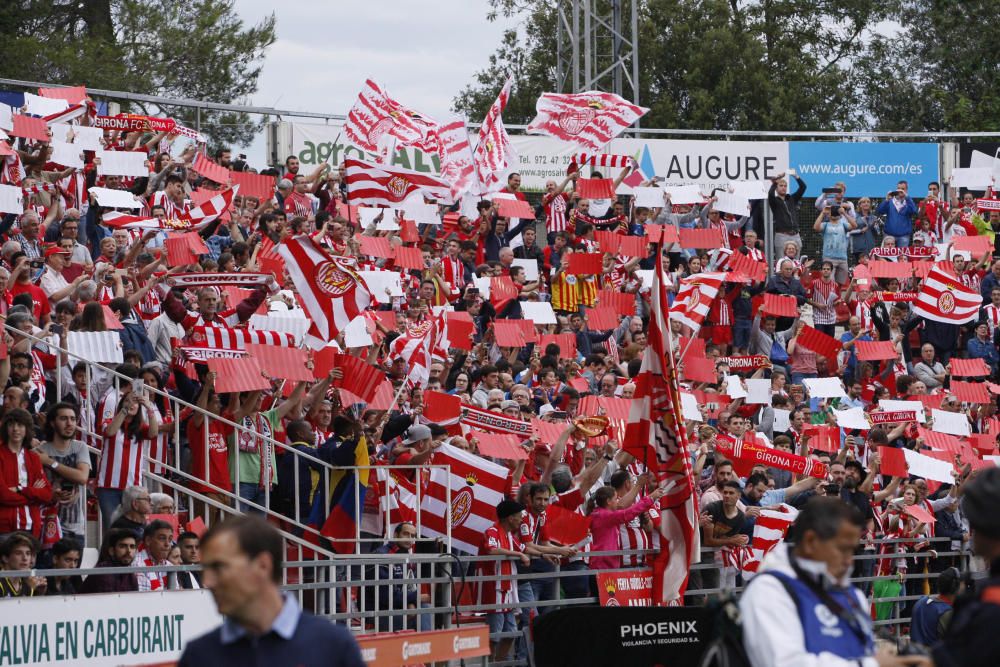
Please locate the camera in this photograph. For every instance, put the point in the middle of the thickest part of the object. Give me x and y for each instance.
(835, 211)
(832, 489)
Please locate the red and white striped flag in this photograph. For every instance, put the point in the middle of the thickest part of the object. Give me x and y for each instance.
(455, 154)
(695, 297)
(329, 287)
(655, 435)
(602, 160)
(768, 531)
(943, 298)
(494, 153)
(418, 346)
(477, 487)
(220, 338)
(589, 119)
(378, 185)
(376, 115)
(397, 498)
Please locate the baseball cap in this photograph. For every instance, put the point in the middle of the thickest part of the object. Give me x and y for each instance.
(56, 250)
(416, 433)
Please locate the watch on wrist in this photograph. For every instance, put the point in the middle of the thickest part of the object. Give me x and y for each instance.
(54, 465)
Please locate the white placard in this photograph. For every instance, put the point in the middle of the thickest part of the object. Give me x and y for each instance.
(983, 160)
(734, 388)
(539, 312)
(368, 216)
(84, 138)
(650, 197)
(759, 391)
(952, 423)
(6, 117)
(356, 333)
(383, 284)
(646, 276)
(928, 467)
(751, 189)
(904, 406)
(104, 347)
(122, 163)
(979, 178)
(43, 106)
(421, 213)
(483, 284)
(78, 630)
(530, 267)
(730, 203)
(852, 418)
(11, 199)
(115, 198)
(685, 194)
(67, 155)
(782, 420)
(689, 407)
(824, 387)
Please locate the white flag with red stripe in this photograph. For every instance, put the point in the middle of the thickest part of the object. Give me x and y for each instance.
(379, 185)
(589, 119)
(455, 154)
(376, 116)
(329, 287)
(418, 346)
(477, 487)
(656, 436)
(695, 297)
(768, 531)
(943, 298)
(494, 153)
(397, 498)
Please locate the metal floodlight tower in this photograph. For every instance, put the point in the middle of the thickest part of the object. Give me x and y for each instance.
(597, 47)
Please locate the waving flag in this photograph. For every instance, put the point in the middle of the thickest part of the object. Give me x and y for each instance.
(656, 436)
(695, 297)
(379, 185)
(345, 504)
(768, 531)
(494, 152)
(943, 298)
(456, 158)
(589, 119)
(418, 346)
(376, 116)
(477, 487)
(204, 215)
(331, 291)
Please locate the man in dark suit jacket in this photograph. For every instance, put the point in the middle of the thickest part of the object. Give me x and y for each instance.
(190, 546)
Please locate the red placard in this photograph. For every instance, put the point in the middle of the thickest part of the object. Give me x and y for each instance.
(781, 305)
(244, 374)
(585, 264)
(876, 350)
(375, 246)
(210, 170)
(661, 234)
(565, 341)
(985, 443)
(817, 341)
(623, 303)
(609, 241)
(930, 401)
(968, 368)
(289, 363)
(751, 268)
(632, 588)
(29, 127)
(514, 208)
(701, 239)
(898, 270)
(692, 347)
(441, 408)
(169, 518)
(498, 445)
(179, 252)
(602, 318)
(941, 441)
(196, 526)
(502, 291)
(360, 378)
(72, 94)
(460, 329)
(508, 333)
(919, 513)
(823, 438)
(699, 369)
(893, 462)
(547, 432)
(409, 258)
(595, 188)
(565, 527)
(528, 329)
(111, 320)
(970, 392)
(408, 231)
(253, 185)
(633, 246)
(977, 245)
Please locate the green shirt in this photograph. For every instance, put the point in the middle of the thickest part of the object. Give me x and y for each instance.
(249, 446)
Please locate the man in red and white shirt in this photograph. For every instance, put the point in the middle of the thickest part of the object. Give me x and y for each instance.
(454, 269)
(534, 533)
(156, 540)
(298, 203)
(991, 311)
(555, 201)
(171, 198)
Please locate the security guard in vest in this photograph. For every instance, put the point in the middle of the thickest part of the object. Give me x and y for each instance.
(973, 637)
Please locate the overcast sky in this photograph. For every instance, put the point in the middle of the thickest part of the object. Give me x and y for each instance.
(422, 53)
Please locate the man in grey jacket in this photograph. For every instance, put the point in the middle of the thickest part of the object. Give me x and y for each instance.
(763, 337)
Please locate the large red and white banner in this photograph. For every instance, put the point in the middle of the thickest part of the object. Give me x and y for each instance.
(494, 153)
(589, 120)
(477, 487)
(379, 185)
(219, 338)
(695, 297)
(376, 116)
(456, 158)
(943, 298)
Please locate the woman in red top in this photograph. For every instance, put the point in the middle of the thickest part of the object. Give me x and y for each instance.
(209, 454)
(24, 488)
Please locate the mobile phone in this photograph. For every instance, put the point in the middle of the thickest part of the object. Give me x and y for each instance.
(56, 329)
(831, 191)
(137, 386)
(559, 414)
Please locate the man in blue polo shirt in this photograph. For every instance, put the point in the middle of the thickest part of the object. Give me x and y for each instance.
(242, 559)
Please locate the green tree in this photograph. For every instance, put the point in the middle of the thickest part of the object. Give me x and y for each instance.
(196, 49)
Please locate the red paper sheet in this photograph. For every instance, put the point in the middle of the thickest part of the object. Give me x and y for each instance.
(977, 245)
(197, 526)
(985, 443)
(514, 208)
(580, 385)
(701, 239)
(409, 258)
(233, 375)
(817, 341)
(780, 305)
(898, 270)
(824, 438)
(624, 304)
(876, 350)
(72, 94)
(609, 241)
(179, 252)
(169, 518)
(111, 320)
(441, 408)
(930, 401)
(585, 263)
(508, 333)
(969, 368)
(408, 231)
(919, 513)
(460, 330)
(210, 170)
(970, 392)
(633, 246)
(502, 291)
(29, 127)
(662, 233)
(751, 268)
(595, 188)
(289, 363)
(360, 378)
(940, 441)
(565, 341)
(375, 246)
(699, 369)
(253, 185)
(692, 347)
(498, 445)
(893, 462)
(565, 527)
(547, 432)
(602, 318)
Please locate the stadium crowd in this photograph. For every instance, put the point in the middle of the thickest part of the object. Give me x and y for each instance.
(67, 268)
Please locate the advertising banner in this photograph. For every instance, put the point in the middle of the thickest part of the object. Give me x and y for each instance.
(419, 648)
(109, 629)
(633, 588)
(866, 168)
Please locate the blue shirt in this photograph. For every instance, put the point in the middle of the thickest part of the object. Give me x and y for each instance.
(984, 350)
(927, 613)
(295, 638)
(835, 239)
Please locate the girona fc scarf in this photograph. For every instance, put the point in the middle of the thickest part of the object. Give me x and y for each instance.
(751, 455)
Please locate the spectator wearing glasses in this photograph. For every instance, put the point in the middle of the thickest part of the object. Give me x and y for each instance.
(135, 508)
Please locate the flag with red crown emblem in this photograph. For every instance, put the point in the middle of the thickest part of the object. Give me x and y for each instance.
(376, 117)
(589, 120)
(379, 185)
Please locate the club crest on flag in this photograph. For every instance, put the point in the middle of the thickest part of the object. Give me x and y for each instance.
(379, 129)
(397, 186)
(574, 120)
(461, 505)
(946, 302)
(694, 299)
(333, 279)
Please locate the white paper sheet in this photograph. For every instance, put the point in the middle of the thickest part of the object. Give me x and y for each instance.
(11, 199)
(115, 198)
(122, 163)
(825, 387)
(751, 189)
(646, 276)
(979, 178)
(734, 388)
(650, 197)
(368, 214)
(782, 420)
(689, 407)
(689, 193)
(67, 155)
(356, 333)
(897, 406)
(484, 287)
(43, 106)
(852, 418)
(84, 138)
(730, 203)
(96, 346)
(983, 160)
(6, 117)
(383, 284)
(952, 423)
(759, 391)
(421, 213)
(530, 267)
(539, 312)
(928, 467)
